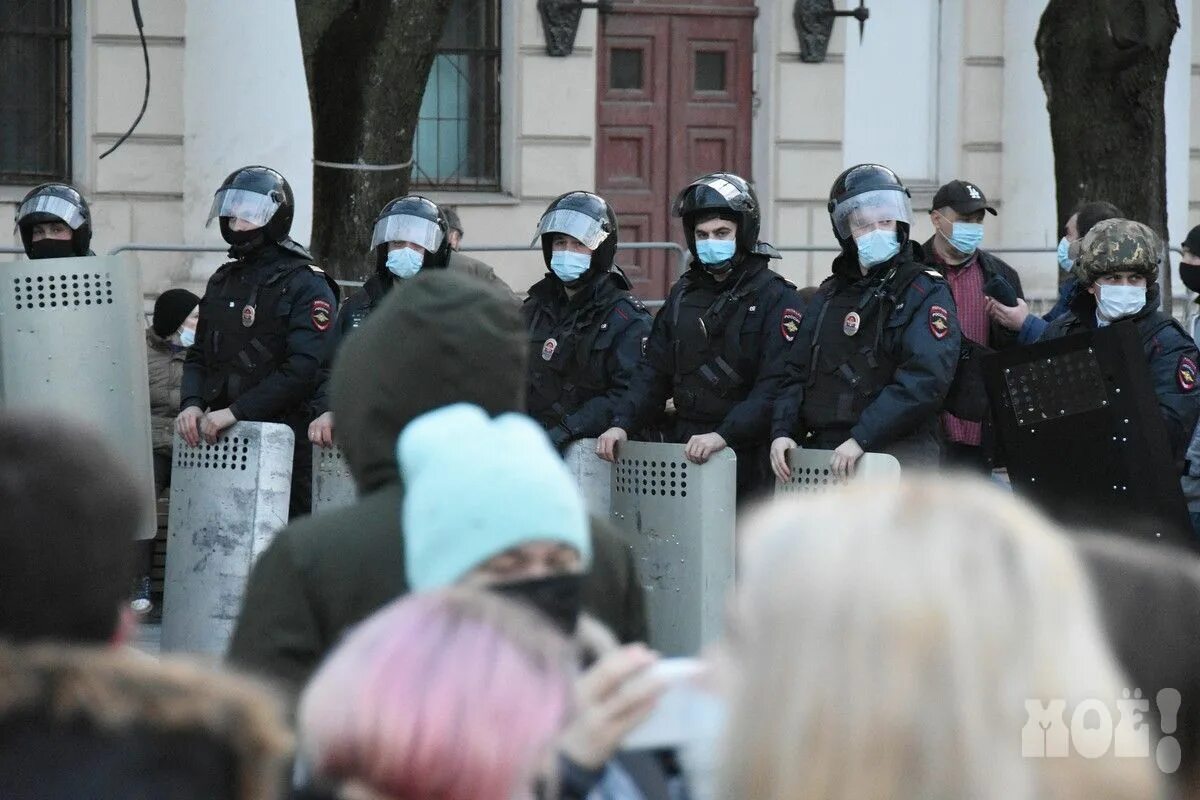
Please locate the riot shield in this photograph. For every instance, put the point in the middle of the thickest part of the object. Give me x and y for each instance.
(1080, 425)
(228, 500)
(593, 475)
(678, 517)
(73, 343)
(332, 485)
(811, 473)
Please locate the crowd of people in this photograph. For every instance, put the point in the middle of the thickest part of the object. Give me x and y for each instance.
(465, 630)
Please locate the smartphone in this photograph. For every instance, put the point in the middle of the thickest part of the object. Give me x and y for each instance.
(682, 711)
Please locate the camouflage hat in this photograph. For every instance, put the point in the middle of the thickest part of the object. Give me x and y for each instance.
(1118, 245)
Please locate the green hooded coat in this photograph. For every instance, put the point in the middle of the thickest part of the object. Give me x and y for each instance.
(442, 338)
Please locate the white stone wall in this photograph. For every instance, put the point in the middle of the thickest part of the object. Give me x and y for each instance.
(135, 193)
(228, 89)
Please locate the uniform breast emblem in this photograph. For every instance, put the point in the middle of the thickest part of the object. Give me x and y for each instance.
(851, 323)
(548, 349)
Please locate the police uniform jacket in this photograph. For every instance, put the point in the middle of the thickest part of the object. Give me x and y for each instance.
(261, 335)
(873, 360)
(582, 352)
(712, 348)
(1170, 353)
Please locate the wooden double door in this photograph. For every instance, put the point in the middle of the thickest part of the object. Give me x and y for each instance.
(675, 100)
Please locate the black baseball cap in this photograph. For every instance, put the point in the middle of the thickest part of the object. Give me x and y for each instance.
(963, 196)
(1192, 242)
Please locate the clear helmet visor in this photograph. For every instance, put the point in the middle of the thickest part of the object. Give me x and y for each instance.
(589, 231)
(55, 206)
(243, 204)
(860, 214)
(407, 228)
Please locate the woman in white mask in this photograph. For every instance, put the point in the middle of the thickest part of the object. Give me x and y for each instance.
(1117, 268)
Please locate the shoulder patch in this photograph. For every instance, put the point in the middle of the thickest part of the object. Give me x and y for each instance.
(790, 324)
(1186, 373)
(939, 322)
(322, 315)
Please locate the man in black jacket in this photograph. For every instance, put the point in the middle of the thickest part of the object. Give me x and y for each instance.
(264, 320)
(585, 328)
(725, 324)
(958, 214)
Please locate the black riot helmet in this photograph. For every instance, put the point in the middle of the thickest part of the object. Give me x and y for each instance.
(587, 217)
(868, 193)
(413, 219)
(259, 195)
(56, 202)
(728, 196)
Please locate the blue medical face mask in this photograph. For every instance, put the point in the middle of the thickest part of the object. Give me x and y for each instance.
(187, 336)
(966, 236)
(1064, 255)
(404, 262)
(713, 252)
(876, 247)
(568, 265)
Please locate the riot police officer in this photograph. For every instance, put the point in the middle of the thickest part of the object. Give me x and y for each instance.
(410, 234)
(713, 343)
(1117, 268)
(878, 346)
(55, 222)
(585, 328)
(263, 323)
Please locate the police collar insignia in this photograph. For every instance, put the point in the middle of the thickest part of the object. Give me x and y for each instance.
(322, 315)
(548, 349)
(791, 324)
(851, 323)
(939, 322)
(1186, 373)
(248, 316)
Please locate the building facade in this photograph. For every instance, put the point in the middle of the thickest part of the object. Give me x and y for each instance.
(652, 95)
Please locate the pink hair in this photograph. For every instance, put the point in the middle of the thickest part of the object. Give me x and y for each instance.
(449, 695)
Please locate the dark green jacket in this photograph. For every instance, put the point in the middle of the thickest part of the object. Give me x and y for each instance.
(325, 573)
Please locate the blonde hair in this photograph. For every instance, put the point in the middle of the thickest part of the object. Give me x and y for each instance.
(886, 639)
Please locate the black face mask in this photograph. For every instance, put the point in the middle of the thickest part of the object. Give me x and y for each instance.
(52, 248)
(242, 242)
(1190, 275)
(558, 597)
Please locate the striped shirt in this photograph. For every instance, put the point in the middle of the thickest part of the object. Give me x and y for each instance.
(966, 284)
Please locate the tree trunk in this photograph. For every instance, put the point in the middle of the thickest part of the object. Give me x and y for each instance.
(366, 62)
(1103, 64)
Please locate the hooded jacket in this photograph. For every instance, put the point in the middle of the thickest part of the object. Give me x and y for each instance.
(356, 310)
(447, 338)
(109, 724)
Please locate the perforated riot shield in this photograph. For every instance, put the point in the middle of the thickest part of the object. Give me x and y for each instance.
(679, 519)
(72, 343)
(332, 485)
(1080, 426)
(811, 473)
(228, 500)
(593, 475)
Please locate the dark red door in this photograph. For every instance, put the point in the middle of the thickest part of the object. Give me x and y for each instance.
(674, 101)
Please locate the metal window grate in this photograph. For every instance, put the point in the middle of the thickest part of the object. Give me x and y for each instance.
(35, 90)
(457, 142)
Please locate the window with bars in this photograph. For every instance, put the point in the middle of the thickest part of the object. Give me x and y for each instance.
(35, 90)
(458, 129)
